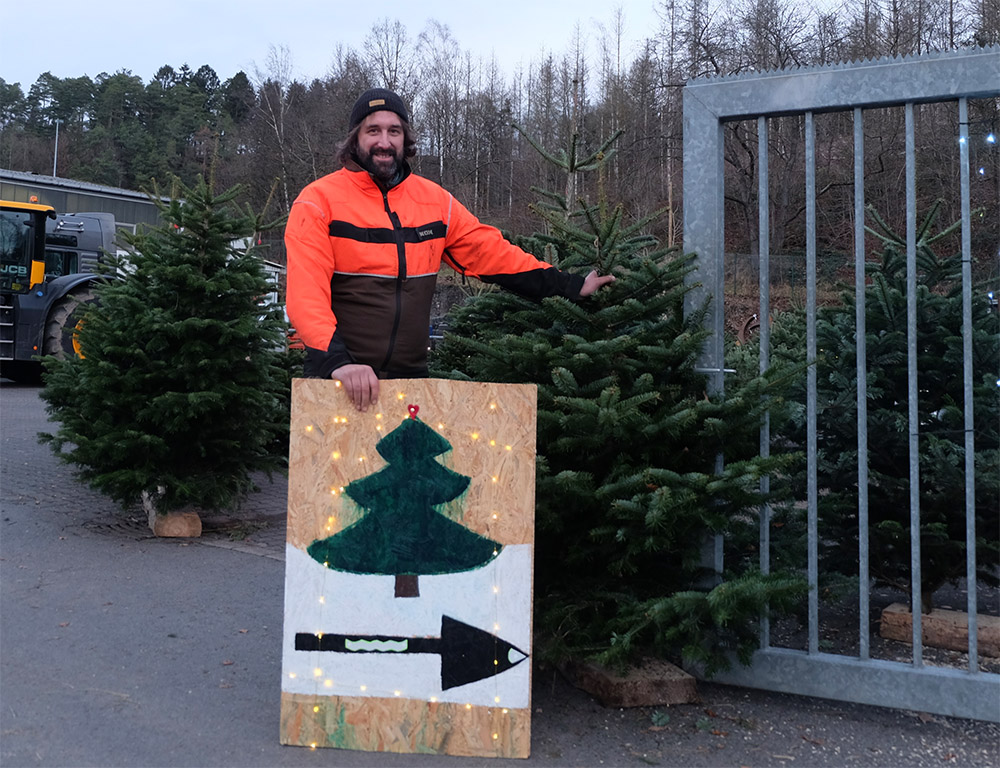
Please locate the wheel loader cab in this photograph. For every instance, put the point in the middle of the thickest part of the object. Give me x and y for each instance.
(49, 265)
(22, 245)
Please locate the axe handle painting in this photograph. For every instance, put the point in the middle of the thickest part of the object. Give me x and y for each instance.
(433, 487)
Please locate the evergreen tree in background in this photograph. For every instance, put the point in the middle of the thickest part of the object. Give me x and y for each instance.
(182, 391)
(628, 441)
(940, 415)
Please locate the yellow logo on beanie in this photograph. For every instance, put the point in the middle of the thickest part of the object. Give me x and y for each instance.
(376, 103)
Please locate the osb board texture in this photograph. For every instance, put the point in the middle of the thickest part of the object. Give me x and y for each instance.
(491, 428)
(404, 725)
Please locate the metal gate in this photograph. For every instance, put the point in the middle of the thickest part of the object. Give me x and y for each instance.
(709, 104)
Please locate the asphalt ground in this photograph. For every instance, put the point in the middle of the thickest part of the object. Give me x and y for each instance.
(120, 649)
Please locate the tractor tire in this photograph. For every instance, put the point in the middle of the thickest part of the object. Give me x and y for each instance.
(63, 322)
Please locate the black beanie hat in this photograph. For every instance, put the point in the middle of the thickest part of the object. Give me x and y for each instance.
(374, 100)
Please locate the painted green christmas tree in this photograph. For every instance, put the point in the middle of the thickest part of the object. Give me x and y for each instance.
(403, 534)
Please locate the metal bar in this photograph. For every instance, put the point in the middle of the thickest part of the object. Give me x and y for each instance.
(704, 202)
(967, 373)
(811, 451)
(973, 72)
(912, 390)
(764, 336)
(864, 630)
(938, 690)
(704, 228)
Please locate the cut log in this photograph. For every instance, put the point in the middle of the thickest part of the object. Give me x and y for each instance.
(652, 682)
(942, 629)
(182, 523)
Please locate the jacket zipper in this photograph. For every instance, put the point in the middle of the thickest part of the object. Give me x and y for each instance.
(397, 228)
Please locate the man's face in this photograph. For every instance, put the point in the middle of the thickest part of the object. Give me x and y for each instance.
(380, 144)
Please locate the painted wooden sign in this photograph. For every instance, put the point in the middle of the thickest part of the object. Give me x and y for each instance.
(408, 569)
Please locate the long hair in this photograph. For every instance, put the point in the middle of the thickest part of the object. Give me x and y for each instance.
(347, 149)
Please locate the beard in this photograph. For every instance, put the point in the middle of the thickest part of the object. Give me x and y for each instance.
(383, 164)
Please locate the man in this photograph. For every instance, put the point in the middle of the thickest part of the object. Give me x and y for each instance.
(364, 246)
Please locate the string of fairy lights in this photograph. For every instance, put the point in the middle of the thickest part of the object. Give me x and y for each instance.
(323, 684)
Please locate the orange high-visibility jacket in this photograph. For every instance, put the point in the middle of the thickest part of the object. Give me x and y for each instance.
(363, 263)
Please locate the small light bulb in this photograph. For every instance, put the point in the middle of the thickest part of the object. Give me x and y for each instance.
(291, 675)
(397, 693)
(364, 687)
(493, 442)
(328, 683)
(507, 447)
(493, 406)
(440, 425)
(335, 455)
(313, 745)
(496, 735)
(336, 383)
(991, 138)
(317, 672)
(496, 699)
(433, 699)
(504, 710)
(309, 428)
(378, 416)
(468, 706)
(322, 599)
(400, 396)
(495, 478)
(316, 709)
(475, 435)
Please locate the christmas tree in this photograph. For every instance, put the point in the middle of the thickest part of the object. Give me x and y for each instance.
(628, 442)
(182, 391)
(940, 409)
(403, 534)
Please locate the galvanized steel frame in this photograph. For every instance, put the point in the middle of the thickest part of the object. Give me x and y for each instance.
(901, 82)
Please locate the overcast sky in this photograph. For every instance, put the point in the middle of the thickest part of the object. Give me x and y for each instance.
(71, 39)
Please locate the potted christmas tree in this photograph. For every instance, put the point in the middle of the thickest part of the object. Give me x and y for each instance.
(181, 391)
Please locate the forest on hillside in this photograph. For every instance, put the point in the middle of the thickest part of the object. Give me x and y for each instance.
(273, 133)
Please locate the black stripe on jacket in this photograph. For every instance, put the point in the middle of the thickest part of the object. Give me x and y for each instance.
(434, 230)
